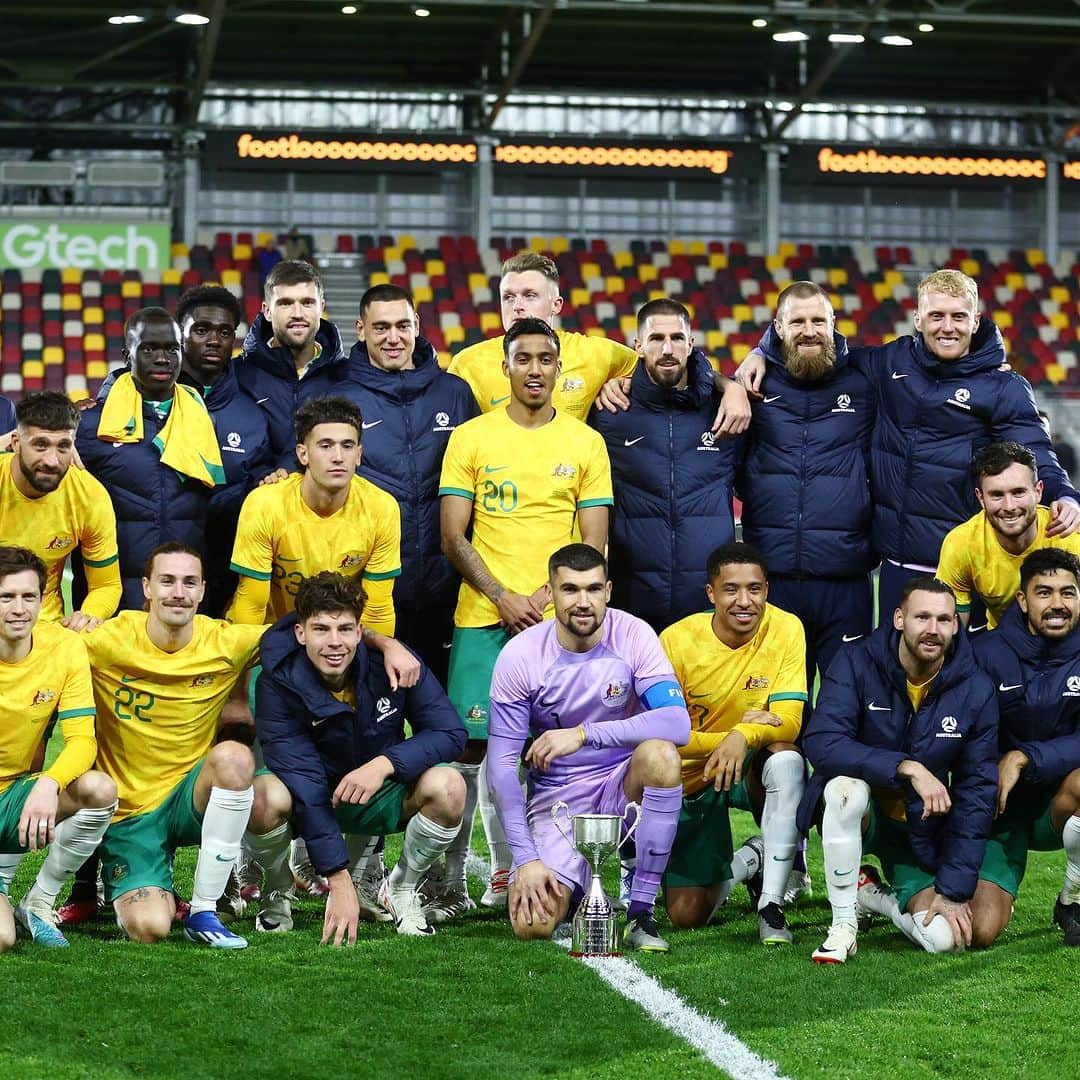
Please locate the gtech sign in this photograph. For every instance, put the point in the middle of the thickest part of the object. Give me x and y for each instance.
(28, 245)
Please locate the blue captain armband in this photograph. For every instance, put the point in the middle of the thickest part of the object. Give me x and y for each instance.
(662, 694)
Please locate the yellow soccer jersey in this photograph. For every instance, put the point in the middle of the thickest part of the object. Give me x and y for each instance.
(78, 514)
(722, 684)
(527, 485)
(973, 561)
(54, 680)
(280, 541)
(157, 711)
(587, 363)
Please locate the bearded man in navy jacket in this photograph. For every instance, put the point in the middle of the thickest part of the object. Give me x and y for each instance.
(904, 747)
(332, 730)
(1034, 659)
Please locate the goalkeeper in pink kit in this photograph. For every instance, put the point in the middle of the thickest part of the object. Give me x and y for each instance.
(600, 699)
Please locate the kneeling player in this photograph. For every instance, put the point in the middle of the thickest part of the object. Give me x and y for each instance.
(903, 741)
(333, 732)
(44, 672)
(743, 670)
(596, 691)
(1034, 658)
(161, 678)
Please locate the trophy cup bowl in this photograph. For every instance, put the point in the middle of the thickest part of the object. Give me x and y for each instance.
(596, 838)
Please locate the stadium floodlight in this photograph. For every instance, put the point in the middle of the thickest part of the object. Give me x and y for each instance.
(926, 28)
(786, 37)
(421, 12)
(126, 20)
(186, 18)
(349, 9)
(846, 39)
(895, 39)
(760, 24)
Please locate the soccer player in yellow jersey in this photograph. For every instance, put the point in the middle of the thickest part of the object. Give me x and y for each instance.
(161, 678)
(529, 288)
(44, 673)
(52, 509)
(982, 557)
(742, 668)
(522, 477)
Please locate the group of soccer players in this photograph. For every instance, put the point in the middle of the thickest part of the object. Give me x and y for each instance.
(361, 595)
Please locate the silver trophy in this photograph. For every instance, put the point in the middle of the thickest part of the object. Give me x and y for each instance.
(596, 837)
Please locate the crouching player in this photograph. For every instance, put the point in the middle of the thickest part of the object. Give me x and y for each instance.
(742, 667)
(161, 678)
(904, 746)
(333, 731)
(44, 672)
(594, 689)
(1034, 658)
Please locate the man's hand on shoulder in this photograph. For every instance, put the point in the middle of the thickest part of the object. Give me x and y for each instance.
(275, 477)
(79, 622)
(614, 395)
(733, 415)
(751, 371)
(1064, 518)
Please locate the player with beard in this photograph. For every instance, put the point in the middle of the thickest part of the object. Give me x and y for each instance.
(983, 556)
(1034, 657)
(596, 693)
(904, 747)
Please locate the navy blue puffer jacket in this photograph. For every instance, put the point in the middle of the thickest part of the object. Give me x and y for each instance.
(804, 473)
(407, 418)
(269, 377)
(864, 727)
(673, 483)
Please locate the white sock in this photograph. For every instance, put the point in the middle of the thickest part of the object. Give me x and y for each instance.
(76, 839)
(458, 850)
(9, 867)
(298, 852)
(501, 858)
(935, 938)
(1070, 838)
(846, 801)
(360, 848)
(224, 822)
(881, 901)
(744, 865)
(425, 841)
(271, 851)
(784, 778)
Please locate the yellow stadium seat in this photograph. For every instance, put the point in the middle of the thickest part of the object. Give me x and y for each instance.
(628, 325)
(379, 277)
(697, 247)
(894, 277)
(773, 263)
(623, 259)
(230, 277)
(423, 294)
(718, 260)
(1014, 281)
(647, 272)
(179, 250)
(539, 244)
(1059, 320)
(490, 322)
(435, 268)
(739, 352)
(131, 290)
(1059, 294)
(52, 355)
(559, 245)
(1003, 319)
(846, 327)
(392, 254)
(838, 277)
(715, 339)
(78, 394)
(689, 307)
(71, 302)
(1055, 373)
(676, 247)
(970, 267)
(614, 285)
(405, 241)
(478, 281)
(887, 338)
(33, 369)
(657, 294)
(785, 249)
(94, 343)
(882, 290)
(96, 369)
(71, 275)
(836, 300)
(170, 276)
(453, 335)
(265, 239)
(1036, 257)
(444, 359)
(93, 316)
(579, 297)
(742, 312)
(771, 297)
(590, 270)
(241, 252)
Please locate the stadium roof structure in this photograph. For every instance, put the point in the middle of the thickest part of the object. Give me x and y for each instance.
(989, 52)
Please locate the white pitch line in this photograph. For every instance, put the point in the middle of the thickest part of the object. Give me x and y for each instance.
(704, 1033)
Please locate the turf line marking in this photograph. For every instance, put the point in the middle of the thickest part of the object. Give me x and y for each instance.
(706, 1035)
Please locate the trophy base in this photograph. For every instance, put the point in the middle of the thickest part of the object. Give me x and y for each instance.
(595, 955)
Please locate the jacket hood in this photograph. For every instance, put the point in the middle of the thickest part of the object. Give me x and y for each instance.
(1034, 648)
(698, 390)
(770, 346)
(396, 385)
(278, 360)
(987, 353)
